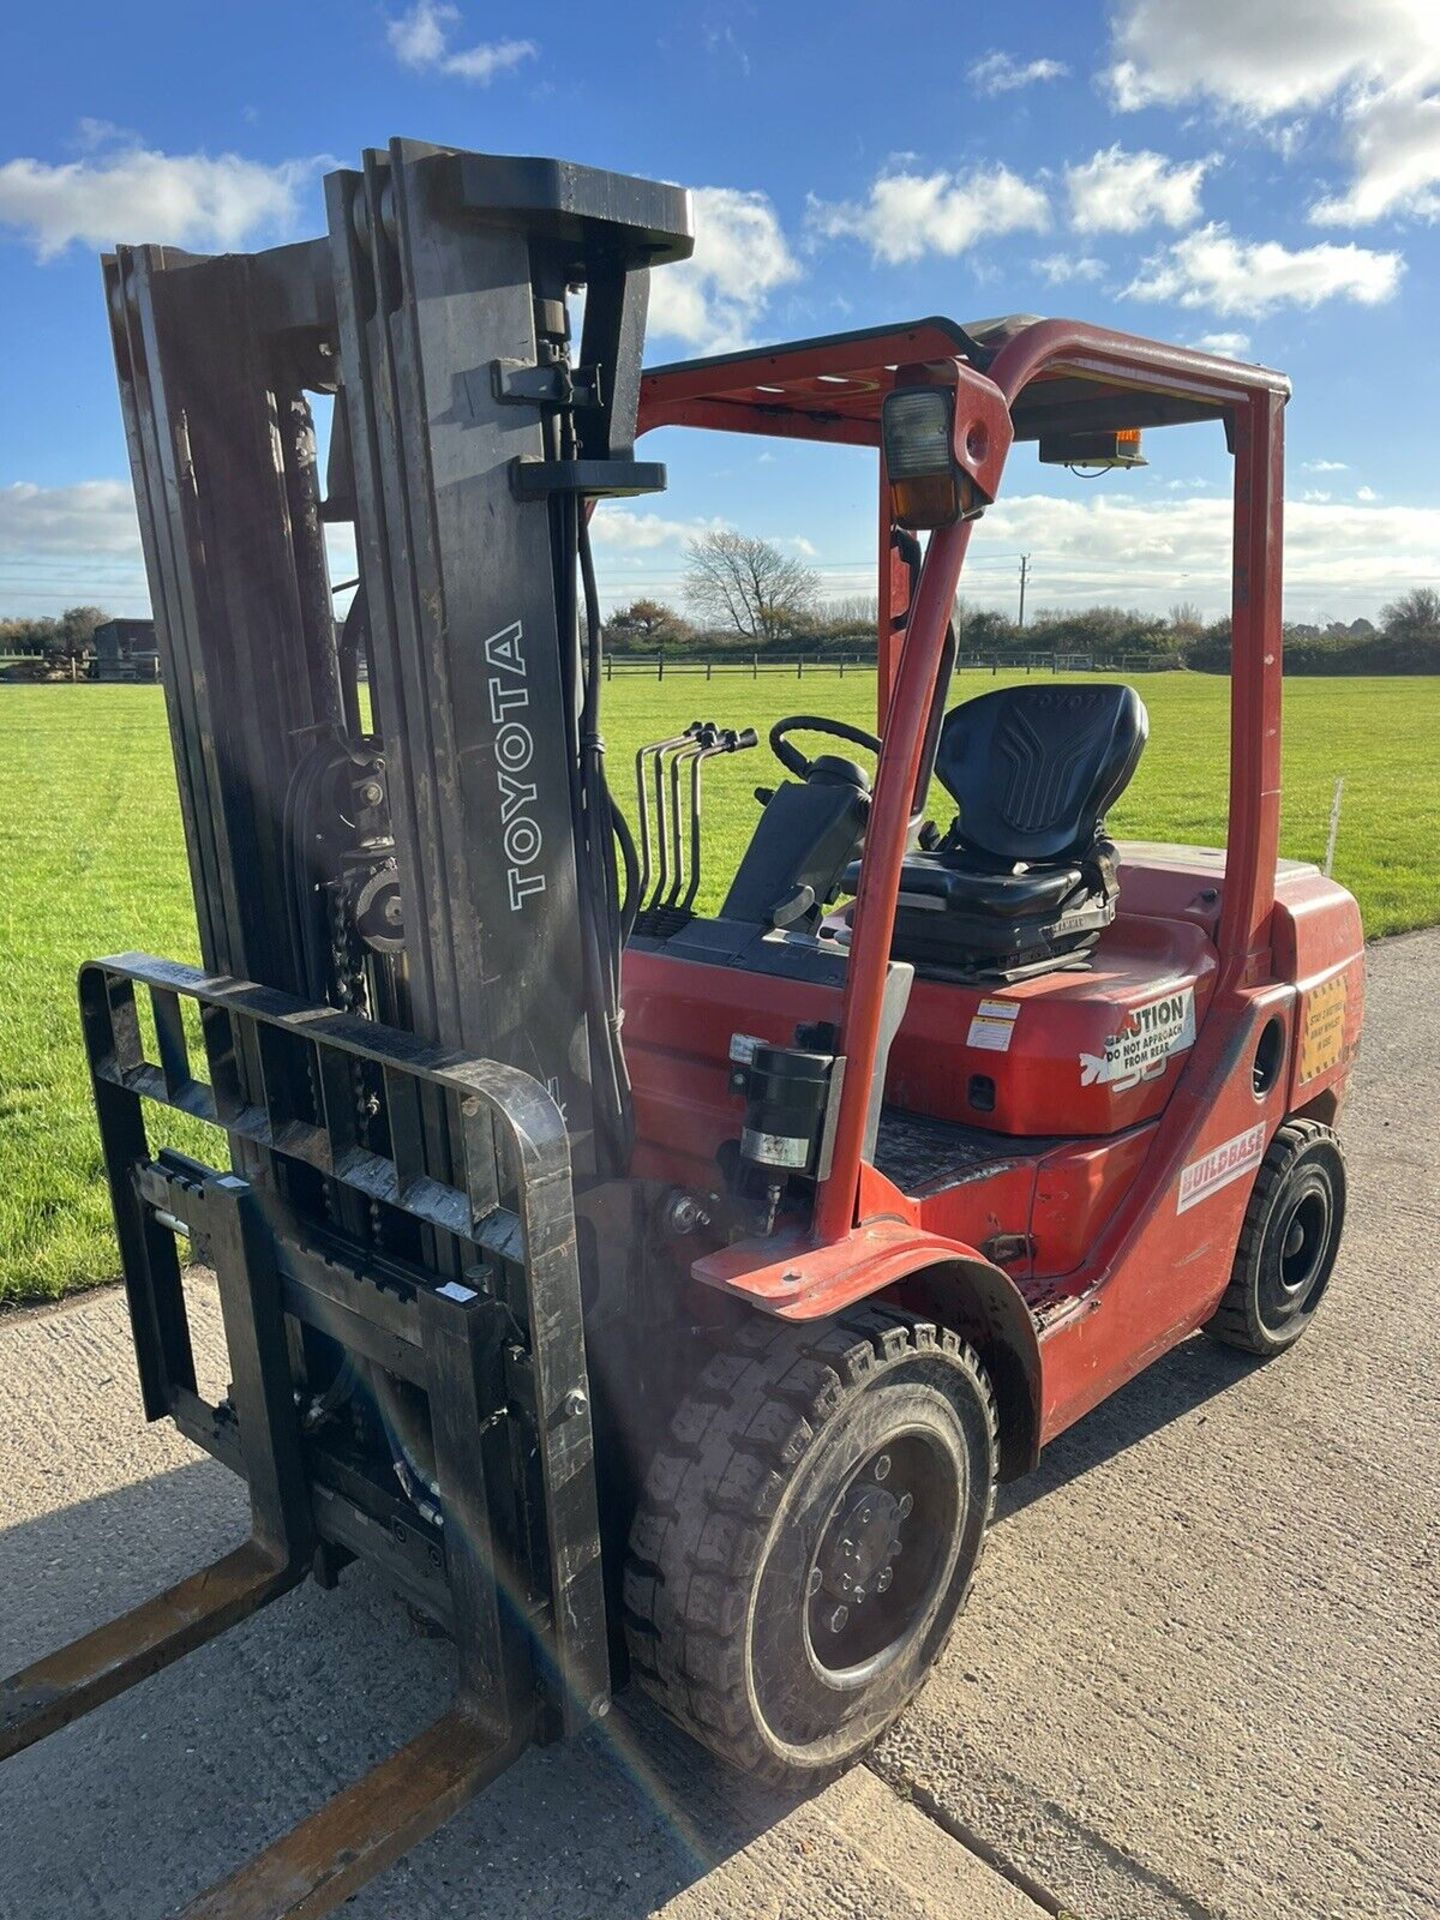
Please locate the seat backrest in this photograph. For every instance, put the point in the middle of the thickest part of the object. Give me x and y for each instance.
(1034, 769)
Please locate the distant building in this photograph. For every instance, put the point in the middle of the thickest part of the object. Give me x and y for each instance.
(125, 650)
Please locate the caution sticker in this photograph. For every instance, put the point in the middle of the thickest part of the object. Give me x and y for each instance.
(1152, 1033)
(1322, 1032)
(1220, 1166)
(993, 1025)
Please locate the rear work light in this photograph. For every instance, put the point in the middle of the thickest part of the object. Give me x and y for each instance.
(928, 486)
(945, 443)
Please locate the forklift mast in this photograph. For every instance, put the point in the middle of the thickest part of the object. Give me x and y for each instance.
(466, 442)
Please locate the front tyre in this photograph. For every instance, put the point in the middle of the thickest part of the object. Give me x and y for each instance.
(808, 1535)
(1288, 1242)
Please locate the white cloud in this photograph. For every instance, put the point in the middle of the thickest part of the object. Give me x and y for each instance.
(420, 39)
(1367, 494)
(1210, 268)
(1001, 73)
(1377, 66)
(136, 194)
(1266, 60)
(1229, 346)
(79, 545)
(1316, 493)
(70, 546)
(1395, 155)
(92, 134)
(907, 215)
(713, 300)
(1061, 268)
(1119, 192)
(1339, 558)
(624, 530)
(1326, 466)
(92, 516)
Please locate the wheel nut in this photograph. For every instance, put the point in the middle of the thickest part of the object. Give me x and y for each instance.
(838, 1619)
(906, 1503)
(881, 1469)
(815, 1582)
(883, 1579)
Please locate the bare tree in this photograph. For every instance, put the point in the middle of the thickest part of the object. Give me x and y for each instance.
(861, 609)
(736, 580)
(1416, 612)
(646, 620)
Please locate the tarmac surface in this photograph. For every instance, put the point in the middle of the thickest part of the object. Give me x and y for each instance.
(1199, 1679)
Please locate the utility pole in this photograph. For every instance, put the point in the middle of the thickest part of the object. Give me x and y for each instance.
(1024, 570)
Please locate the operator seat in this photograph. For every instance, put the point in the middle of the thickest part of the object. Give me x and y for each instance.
(1025, 879)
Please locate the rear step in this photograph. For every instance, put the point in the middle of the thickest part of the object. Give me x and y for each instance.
(481, 1312)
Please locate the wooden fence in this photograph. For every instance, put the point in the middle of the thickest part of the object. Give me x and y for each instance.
(753, 665)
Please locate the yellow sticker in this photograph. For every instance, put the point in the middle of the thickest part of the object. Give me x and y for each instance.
(1322, 1034)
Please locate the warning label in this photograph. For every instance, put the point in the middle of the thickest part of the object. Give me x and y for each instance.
(1143, 1046)
(1322, 1033)
(993, 1025)
(1220, 1166)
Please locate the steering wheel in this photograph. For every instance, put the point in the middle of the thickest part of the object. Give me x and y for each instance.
(792, 759)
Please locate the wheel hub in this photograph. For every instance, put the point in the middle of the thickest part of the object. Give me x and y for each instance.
(1302, 1244)
(857, 1554)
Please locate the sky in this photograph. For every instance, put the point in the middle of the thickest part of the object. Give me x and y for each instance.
(1262, 180)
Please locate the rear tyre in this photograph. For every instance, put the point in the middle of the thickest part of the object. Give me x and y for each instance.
(1288, 1242)
(808, 1535)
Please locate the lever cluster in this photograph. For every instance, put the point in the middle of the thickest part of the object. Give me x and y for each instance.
(667, 824)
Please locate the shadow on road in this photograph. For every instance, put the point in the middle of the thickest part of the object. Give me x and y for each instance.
(1183, 1380)
(156, 1795)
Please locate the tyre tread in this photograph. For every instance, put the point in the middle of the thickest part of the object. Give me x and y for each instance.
(1235, 1322)
(711, 1492)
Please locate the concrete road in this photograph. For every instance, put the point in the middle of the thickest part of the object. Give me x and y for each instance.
(1200, 1678)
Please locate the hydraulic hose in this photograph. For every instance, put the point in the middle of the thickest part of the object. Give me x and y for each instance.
(625, 840)
(610, 1074)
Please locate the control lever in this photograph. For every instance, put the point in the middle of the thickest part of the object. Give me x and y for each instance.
(726, 741)
(693, 753)
(657, 747)
(663, 855)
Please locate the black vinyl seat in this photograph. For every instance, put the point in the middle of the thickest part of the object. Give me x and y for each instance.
(1024, 880)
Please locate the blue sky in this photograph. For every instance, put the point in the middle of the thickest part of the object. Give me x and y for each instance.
(1262, 179)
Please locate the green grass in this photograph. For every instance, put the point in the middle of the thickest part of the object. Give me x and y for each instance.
(92, 863)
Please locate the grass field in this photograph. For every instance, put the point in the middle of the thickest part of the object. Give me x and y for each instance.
(92, 863)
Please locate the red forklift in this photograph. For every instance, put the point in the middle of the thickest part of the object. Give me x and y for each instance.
(644, 1291)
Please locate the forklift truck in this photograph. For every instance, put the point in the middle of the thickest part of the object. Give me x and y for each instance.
(647, 1292)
